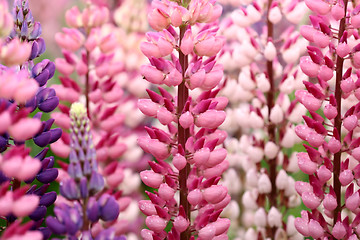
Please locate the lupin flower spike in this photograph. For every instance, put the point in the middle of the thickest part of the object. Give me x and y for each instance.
(331, 133)
(23, 90)
(99, 65)
(261, 59)
(83, 187)
(192, 137)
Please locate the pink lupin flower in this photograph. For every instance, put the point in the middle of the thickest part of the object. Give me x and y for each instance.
(318, 6)
(339, 230)
(25, 205)
(25, 128)
(15, 52)
(329, 202)
(187, 43)
(210, 119)
(197, 163)
(71, 39)
(208, 45)
(315, 229)
(158, 19)
(339, 112)
(155, 223)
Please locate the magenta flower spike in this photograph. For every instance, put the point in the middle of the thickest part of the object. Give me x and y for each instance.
(182, 55)
(331, 160)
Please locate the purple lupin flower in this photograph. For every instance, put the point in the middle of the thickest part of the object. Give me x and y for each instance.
(18, 92)
(83, 187)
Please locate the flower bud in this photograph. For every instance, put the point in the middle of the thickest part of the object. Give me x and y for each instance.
(276, 114)
(346, 177)
(215, 194)
(315, 229)
(179, 161)
(270, 51)
(339, 230)
(166, 192)
(186, 120)
(324, 174)
(271, 150)
(260, 218)
(155, 223)
(264, 184)
(151, 178)
(329, 202)
(310, 200)
(350, 122)
(353, 202)
(195, 197)
(281, 180)
(274, 217)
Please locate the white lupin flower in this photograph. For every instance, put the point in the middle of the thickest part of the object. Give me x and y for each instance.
(250, 234)
(264, 184)
(274, 217)
(293, 163)
(255, 120)
(271, 150)
(276, 114)
(270, 51)
(246, 82)
(290, 187)
(289, 138)
(281, 180)
(275, 15)
(263, 83)
(260, 218)
(247, 218)
(294, 201)
(291, 55)
(231, 211)
(252, 178)
(240, 18)
(242, 117)
(256, 154)
(297, 113)
(232, 181)
(287, 86)
(249, 199)
(253, 13)
(290, 226)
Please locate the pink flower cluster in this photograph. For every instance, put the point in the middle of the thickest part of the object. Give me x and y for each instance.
(187, 33)
(331, 129)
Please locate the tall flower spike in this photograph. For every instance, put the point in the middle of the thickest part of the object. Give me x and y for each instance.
(331, 160)
(186, 31)
(261, 67)
(100, 64)
(23, 90)
(83, 187)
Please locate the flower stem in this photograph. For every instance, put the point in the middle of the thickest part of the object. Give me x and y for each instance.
(183, 135)
(87, 85)
(271, 127)
(86, 223)
(338, 121)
